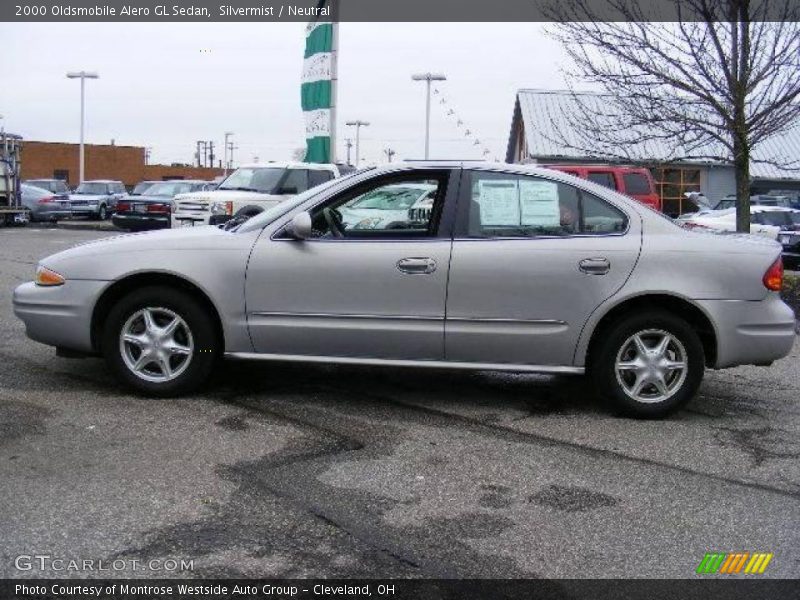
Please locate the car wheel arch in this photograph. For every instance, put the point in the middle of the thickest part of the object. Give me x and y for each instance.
(674, 304)
(117, 290)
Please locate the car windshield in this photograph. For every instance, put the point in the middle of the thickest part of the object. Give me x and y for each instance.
(91, 188)
(258, 179)
(169, 189)
(140, 188)
(391, 198)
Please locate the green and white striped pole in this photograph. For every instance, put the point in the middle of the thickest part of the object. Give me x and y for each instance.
(318, 91)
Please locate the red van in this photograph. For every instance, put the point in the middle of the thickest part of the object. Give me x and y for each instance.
(635, 182)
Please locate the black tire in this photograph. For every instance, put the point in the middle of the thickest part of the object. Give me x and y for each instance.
(207, 345)
(102, 213)
(617, 338)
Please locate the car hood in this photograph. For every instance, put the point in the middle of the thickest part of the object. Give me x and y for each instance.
(111, 258)
(225, 195)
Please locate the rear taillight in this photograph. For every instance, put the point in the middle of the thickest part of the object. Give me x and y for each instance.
(46, 200)
(123, 206)
(773, 278)
(158, 208)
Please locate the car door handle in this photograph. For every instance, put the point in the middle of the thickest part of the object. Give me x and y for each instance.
(416, 266)
(595, 266)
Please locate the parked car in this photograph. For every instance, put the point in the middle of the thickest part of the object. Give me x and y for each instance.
(56, 186)
(44, 205)
(729, 201)
(514, 269)
(635, 182)
(96, 199)
(141, 187)
(249, 190)
(725, 220)
(152, 210)
(390, 207)
(793, 195)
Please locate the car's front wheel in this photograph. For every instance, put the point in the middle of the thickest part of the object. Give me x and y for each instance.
(648, 365)
(102, 213)
(160, 341)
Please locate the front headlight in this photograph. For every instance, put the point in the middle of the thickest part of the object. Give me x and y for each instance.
(47, 278)
(222, 208)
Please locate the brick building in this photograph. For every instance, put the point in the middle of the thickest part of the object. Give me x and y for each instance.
(46, 160)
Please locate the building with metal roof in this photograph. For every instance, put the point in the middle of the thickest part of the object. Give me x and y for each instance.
(545, 129)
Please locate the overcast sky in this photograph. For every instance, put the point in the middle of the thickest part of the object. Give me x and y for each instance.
(167, 85)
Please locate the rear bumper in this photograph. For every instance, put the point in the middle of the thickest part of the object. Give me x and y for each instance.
(140, 221)
(751, 333)
(59, 316)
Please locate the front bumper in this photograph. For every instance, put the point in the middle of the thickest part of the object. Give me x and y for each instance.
(219, 219)
(59, 316)
(751, 333)
(190, 219)
(140, 222)
(83, 211)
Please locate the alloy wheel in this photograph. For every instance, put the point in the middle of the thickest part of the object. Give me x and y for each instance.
(156, 344)
(651, 366)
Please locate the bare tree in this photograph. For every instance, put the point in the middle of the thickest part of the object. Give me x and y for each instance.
(715, 83)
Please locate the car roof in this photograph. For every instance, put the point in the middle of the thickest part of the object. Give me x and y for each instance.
(102, 181)
(288, 165)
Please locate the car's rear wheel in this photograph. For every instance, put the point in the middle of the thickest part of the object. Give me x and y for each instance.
(648, 365)
(160, 341)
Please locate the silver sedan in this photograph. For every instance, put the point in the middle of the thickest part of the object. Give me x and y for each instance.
(514, 268)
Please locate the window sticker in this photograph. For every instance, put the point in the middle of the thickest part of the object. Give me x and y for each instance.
(539, 203)
(499, 202)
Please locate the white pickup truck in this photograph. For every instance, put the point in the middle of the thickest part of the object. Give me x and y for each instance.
(250, 189)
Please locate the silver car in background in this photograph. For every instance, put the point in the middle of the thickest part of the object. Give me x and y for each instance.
(512, 268)
(44, 205)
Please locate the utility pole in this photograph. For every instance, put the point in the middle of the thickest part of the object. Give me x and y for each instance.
(83, 76)
(211, 153)
(228, 145)
(348, 144)
(427, 78)
(358, 125)
(389, 153)
(231, 148)
(198, 153)
(147, 151)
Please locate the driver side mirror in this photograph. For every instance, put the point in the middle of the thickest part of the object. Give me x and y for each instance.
(299, 227)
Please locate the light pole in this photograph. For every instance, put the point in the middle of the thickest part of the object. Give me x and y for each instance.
(428, 77)
(83, 76)
(358, 125)
(228, 134)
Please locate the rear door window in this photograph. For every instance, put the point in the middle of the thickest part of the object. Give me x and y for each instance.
(604, 178)
(636, 184)
(507, 205)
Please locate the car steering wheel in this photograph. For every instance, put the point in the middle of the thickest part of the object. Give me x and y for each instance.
(334, 221)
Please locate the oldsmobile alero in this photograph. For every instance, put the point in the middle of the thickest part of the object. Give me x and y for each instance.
(513, 268)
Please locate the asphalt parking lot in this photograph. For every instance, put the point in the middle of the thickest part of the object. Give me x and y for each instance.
(314, 471)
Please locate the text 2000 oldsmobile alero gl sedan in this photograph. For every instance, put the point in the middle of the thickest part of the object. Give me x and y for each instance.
(513, 268)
